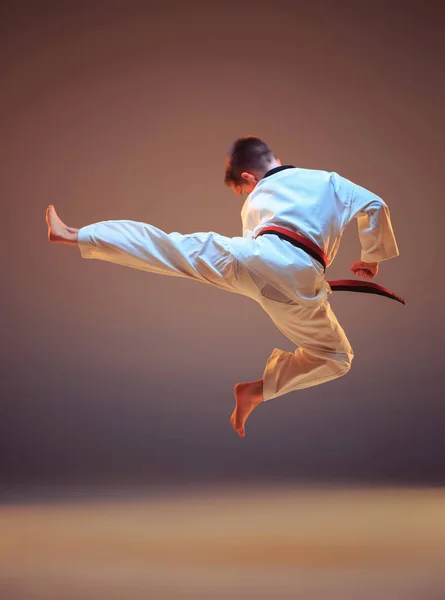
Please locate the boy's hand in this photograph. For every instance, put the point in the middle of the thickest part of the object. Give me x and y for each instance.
(364, 269)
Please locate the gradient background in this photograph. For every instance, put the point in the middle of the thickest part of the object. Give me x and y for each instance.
(113, 379)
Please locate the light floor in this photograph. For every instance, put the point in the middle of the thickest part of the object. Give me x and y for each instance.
(253, 543)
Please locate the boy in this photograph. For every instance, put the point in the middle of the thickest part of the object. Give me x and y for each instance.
(293, 220)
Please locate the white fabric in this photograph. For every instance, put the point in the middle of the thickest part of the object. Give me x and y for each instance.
(319, 205)
(287, 283)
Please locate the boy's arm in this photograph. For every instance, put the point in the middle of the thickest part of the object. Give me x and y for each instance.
(374, 228)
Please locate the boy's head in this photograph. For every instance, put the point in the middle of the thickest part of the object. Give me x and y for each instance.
(248, 160)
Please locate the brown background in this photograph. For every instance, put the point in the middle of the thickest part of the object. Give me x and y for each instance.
(125, 110)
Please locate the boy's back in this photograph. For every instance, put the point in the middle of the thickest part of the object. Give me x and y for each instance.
(319, 205)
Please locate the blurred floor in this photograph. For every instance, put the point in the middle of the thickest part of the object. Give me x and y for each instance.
(228, 543)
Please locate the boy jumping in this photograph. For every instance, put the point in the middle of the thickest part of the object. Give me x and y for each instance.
(293, 220)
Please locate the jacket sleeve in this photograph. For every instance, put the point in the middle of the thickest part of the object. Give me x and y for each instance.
(374, 225)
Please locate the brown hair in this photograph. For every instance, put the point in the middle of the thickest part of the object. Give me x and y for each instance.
(246, 153)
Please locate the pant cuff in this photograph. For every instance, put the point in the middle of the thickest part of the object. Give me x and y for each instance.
(269, 387)
(86, 247)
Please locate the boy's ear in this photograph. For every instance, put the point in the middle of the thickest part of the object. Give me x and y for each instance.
(248, 177)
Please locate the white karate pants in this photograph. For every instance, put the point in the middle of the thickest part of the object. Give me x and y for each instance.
(287, 283)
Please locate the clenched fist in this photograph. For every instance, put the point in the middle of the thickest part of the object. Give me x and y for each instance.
(364, 269)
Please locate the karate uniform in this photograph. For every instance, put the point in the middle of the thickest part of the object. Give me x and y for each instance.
(285, 280)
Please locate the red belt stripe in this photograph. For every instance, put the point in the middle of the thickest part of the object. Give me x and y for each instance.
(348, 285)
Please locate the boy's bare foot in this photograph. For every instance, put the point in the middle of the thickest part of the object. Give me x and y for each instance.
(247, 396)
(58, 232)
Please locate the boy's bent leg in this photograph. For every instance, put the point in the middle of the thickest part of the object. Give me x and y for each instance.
(324, 352)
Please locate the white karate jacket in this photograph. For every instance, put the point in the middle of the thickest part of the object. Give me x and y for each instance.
(319, 205)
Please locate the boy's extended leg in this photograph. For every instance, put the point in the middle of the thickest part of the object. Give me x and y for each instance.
(205, 257)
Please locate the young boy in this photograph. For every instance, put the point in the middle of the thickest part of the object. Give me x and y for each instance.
(293, 220)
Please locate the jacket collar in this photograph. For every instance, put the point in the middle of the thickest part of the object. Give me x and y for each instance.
(277, 170)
